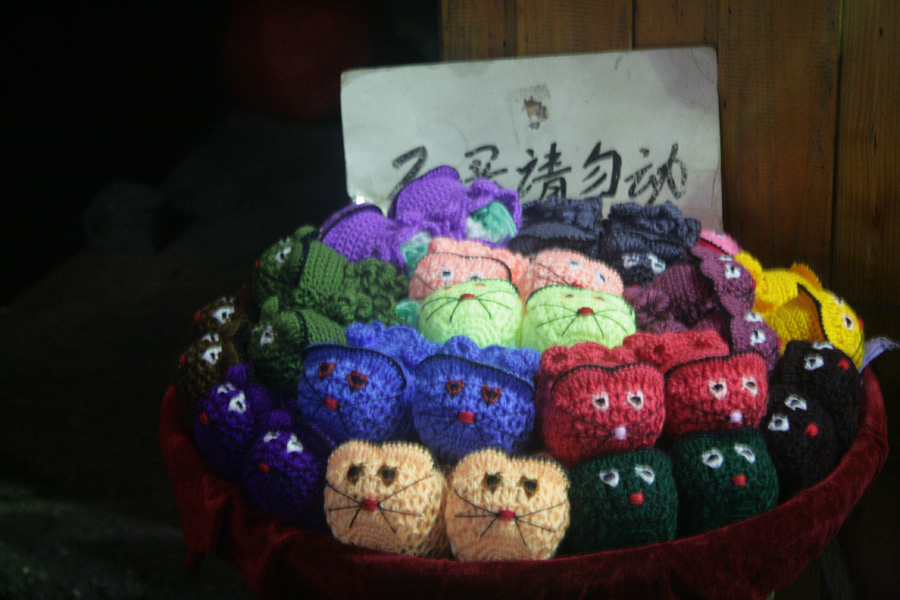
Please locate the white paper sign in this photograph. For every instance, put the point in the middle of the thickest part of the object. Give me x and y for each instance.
(638, 126)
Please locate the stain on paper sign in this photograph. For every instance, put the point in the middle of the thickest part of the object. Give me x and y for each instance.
(638, 126)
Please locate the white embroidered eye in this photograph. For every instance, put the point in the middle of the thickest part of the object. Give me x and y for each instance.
(718, 389)
(599, 277)
(271, 435)
(757, 336)
(645, 473)
(223, 314)
(210, 337)
(795, 402)
(574, 264)
(779, 422)
(753, 317)
(224, 388)
(267, 336)
(745, 451)
(212, 354)
(610, 477)
(476, 276)
(238, 403)
(657, 265)
(725, 258)
(712, 458)
(601, 402)
(822, 346)
(630, 259)
(446, 275)
(635, 399)
(749, 384)
(282, 255)
(848, 323)
(294, 445)
(732, 272)
(813, 362)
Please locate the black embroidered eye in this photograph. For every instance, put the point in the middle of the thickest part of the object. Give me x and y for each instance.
(454, 387)
(491, 481)
(326, 369)
(636, 400)
(353, 473)
(387, 475)
(529, 485)
(357, 380)
(490, 394)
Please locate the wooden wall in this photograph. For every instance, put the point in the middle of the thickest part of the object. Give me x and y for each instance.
(809, 98)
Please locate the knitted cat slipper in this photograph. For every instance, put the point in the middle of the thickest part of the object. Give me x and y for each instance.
(229, 317)
(363, 390)
(596, 401)
(284, 471)
(343, 291)
(226, 421)
(470, 398)
(718, 241)
(642, 241)
(565, 223)
(361, 231)
(716, 393)
(200, 368)
(482, 211)
(502, 507)
(567, 267)
(388, 497)
(624, 500)
(800, 436)
(273, 273)
(516, 263)
(277, 343)
(667, 350)
(722, 477)
(826, 374)
(562, 315)
(489, 311)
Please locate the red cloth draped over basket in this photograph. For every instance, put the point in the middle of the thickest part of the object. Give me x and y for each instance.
(747, 560)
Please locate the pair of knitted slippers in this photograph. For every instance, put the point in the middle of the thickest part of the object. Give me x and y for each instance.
(393, 497)
(812, 414)
(436, 204)
(392, 384)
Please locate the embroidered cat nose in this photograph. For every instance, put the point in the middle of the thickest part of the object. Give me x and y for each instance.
(636, 498)
(844, 364)
(466, 417)
(736, 416)
(198, 314)
(620, 432)
(330, 403)
(204, 418)
(739, 480)
(812, 430)
(585, 311)
(506, 515)
(369, 504)
(256, 266)
(467, 297)
(263, 467)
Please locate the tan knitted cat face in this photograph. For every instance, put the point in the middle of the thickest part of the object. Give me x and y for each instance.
(387, 497)
(506, 508)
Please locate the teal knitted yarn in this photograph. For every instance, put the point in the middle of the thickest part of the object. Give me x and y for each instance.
(563, 315)
(277, 342)
(622, 500)
(723, 477)
(489, 311)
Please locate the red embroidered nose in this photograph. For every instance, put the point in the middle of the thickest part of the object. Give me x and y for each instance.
(330, 403)
(585, 311)
(256, 266)
(812, 430)
(860, 321)
(578, 285)
(182, 359)
(844, 364)
(263, 467)
(467, 297)
(506, 515)
(636, 498)
(203, 418)
(369, 504)
(739, 480)
(197, 314)
(466, 417)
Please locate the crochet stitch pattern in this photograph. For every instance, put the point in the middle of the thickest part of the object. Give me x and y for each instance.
(516, 263)
(623, 500)
(554, 222)
(562, 315)
(488, 311)
(273, 273)
(440, 269)
(284, 473)
(567, 267)
(506, 508)
(470, 398)
(229, 317)
(722, 477)
(200, 368)
(388, 497)
(668, 350)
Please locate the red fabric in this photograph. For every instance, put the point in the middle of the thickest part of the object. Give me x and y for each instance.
(746, 560)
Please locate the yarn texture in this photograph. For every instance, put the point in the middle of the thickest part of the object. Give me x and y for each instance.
(488, 311)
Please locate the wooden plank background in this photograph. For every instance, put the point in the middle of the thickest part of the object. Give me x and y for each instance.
(809, 98)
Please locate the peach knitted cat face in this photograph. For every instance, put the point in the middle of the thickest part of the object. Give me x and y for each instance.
(388, 497)
(566, 267)
(438, 270)
(506, 508)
